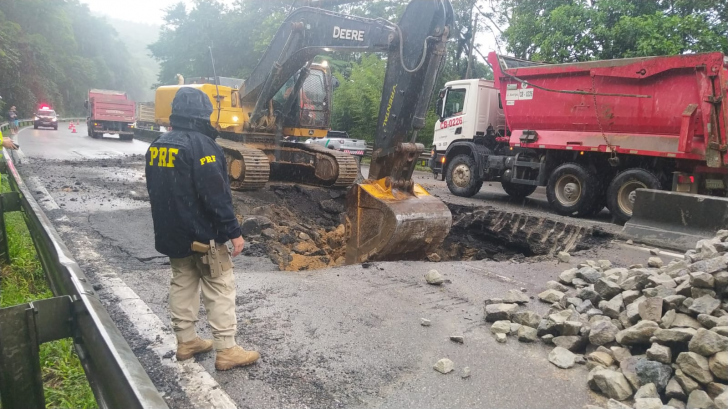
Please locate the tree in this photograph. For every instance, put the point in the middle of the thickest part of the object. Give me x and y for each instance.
(53, 52)
(580, 30)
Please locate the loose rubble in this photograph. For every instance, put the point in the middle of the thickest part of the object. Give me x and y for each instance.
(653, 337)
(444, 366)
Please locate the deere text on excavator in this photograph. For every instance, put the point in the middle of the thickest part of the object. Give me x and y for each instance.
(389, 216)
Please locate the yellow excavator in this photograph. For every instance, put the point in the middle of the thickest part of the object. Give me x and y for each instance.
(287, 96)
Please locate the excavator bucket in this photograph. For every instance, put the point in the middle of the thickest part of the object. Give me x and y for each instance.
(386, 223)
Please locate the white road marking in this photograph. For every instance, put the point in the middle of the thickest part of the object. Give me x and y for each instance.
(44, 197)
(199, 386)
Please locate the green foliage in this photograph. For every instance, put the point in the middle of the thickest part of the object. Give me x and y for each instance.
(356, 100)
(54, 51)
(580, 30)
(64, 381)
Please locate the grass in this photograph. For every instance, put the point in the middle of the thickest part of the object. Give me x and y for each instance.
(64, 381)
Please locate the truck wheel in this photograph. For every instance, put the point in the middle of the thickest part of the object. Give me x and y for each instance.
(621, 192)
(461, 177)
(126, 137)
(517, 190)
(572, 190)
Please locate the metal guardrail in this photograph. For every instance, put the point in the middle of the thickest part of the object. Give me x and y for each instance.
(116, 377)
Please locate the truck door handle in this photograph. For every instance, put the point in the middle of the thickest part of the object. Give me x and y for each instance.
(459, 130)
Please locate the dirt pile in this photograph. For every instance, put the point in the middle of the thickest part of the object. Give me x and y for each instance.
(297, 227)
(303, 228)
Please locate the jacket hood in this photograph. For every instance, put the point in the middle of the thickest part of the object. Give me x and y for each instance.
(191, 109)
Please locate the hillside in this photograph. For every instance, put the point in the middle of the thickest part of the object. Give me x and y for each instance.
(136, 37)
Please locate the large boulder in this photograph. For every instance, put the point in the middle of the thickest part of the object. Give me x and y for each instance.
(704, 305)
(550, 296)
(707, 343)
(499, 312)
(637, 334)
(699, 400)
(589, 274)
(613, 384)
(527, 318)
(653, 372)
(695, 366)
(718, 365)
(603, 332)
(651, 309)
(674, 335)
(562, 358)
(607, 289)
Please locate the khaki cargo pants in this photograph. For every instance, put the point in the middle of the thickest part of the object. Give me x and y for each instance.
(189, 275)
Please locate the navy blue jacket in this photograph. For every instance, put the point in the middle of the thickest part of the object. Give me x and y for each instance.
(188, 187)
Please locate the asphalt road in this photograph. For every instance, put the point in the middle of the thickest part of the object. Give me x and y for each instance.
(347, 337)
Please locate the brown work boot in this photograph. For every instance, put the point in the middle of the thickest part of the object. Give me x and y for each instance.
(186, 350)
(233, 357)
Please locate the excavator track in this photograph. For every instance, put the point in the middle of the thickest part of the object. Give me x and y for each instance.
(346, 165)
(248, 167)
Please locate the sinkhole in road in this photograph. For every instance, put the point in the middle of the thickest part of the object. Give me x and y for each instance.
(303, 228)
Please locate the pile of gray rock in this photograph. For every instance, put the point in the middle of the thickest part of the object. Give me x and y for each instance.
(654, 335)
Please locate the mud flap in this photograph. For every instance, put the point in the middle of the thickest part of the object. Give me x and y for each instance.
(390, 224)
(675, 220)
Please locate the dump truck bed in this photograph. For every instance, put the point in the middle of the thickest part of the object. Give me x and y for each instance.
(654, 106)
(108, 105)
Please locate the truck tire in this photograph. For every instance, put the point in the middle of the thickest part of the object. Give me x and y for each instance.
(126, 137)
(572, 190)
(517, 190)
(461, 177)
(620, 194)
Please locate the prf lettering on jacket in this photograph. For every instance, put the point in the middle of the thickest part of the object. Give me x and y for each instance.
(162, 156)
(207, 159)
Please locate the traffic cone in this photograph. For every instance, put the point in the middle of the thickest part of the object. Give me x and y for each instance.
(73, 130)
(70, 125)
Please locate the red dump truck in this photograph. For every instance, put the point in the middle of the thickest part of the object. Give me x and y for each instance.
(110, 112)
(591, 133)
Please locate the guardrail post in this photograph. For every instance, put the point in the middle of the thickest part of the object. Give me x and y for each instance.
(9, 202)
(22, 329)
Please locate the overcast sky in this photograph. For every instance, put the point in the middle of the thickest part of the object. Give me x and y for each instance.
(143, 11)
(152, 12)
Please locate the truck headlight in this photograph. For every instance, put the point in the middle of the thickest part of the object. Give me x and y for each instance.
(35, 118)
(54, 119)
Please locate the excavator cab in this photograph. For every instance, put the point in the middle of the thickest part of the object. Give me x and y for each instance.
(310, 115)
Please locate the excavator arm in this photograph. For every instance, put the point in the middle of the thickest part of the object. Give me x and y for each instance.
(389, 216)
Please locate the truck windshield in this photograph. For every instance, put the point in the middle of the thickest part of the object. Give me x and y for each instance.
(454, 103)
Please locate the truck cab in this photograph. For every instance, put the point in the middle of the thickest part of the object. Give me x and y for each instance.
(470, 127)
(466, 109)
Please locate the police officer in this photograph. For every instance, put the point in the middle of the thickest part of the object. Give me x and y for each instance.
(191, 202)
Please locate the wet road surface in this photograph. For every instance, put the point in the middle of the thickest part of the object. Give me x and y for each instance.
(347, 337)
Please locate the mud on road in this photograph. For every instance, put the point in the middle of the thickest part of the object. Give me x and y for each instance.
(303, 227)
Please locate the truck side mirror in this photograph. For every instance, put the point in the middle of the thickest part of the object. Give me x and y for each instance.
(438, 107)
(85, 104)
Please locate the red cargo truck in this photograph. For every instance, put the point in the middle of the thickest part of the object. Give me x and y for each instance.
(591, 132)
(110, 112)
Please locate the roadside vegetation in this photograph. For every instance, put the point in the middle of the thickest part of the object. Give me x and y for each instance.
(64, 380)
